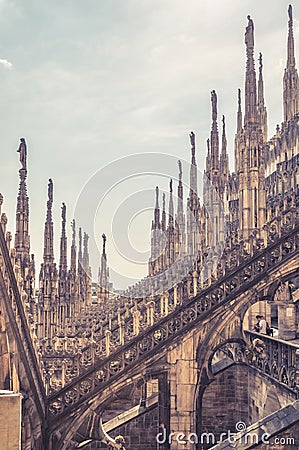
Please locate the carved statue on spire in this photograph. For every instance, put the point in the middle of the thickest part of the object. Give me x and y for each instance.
(261, 62)
(192, 139)
(290, 12)
(50, 191)
(214, 105)
(249, 37)
(163, 200)
(104, 242)
(180, 169)
(192, 142)
(73, 225)
(170, 185)
(23, 153)
(63, 212)
(157, 197)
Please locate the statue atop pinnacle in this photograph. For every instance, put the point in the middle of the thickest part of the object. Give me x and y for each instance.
(23, 153)
(249, 38)
(104, 242)
(180, 169)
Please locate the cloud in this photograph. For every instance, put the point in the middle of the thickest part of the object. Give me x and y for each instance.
(6, 64)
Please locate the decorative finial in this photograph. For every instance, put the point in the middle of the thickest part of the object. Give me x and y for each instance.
(223, 123)
(23, 153)
(50, 191)
(290, 50)
(157, 197)
(50, 201)
(239, 98)
(170, 185)
(73, 225)
(214, 105)
(290, 12)
(192, 139)
(192, 142)
(180, 170)
(261, 63)
(104, 242)
(63, 212)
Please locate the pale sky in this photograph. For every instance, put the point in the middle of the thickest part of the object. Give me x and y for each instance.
(88, 82)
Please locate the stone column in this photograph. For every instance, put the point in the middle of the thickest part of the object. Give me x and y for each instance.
(136, 322)
(150, 308)
(182, 383)
(195, 277)
(122, 332)
(286, 312)
(175, 295)
(286, 321)
(164, 410)
(107, 339)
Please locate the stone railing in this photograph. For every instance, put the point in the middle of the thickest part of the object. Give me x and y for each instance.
(119, 350)
(275, 358)
(138, 315)
(95, 320)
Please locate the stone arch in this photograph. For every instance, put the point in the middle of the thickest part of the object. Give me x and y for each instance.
(82, 425)
(212, 340)
(267, 294)
(272, 402)
(231, 349)
(228, 357)
(289, 277)
(224, 402)
(284, 294)
(216, 334)
(259, 307)
(217, 330)
(31, 425)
